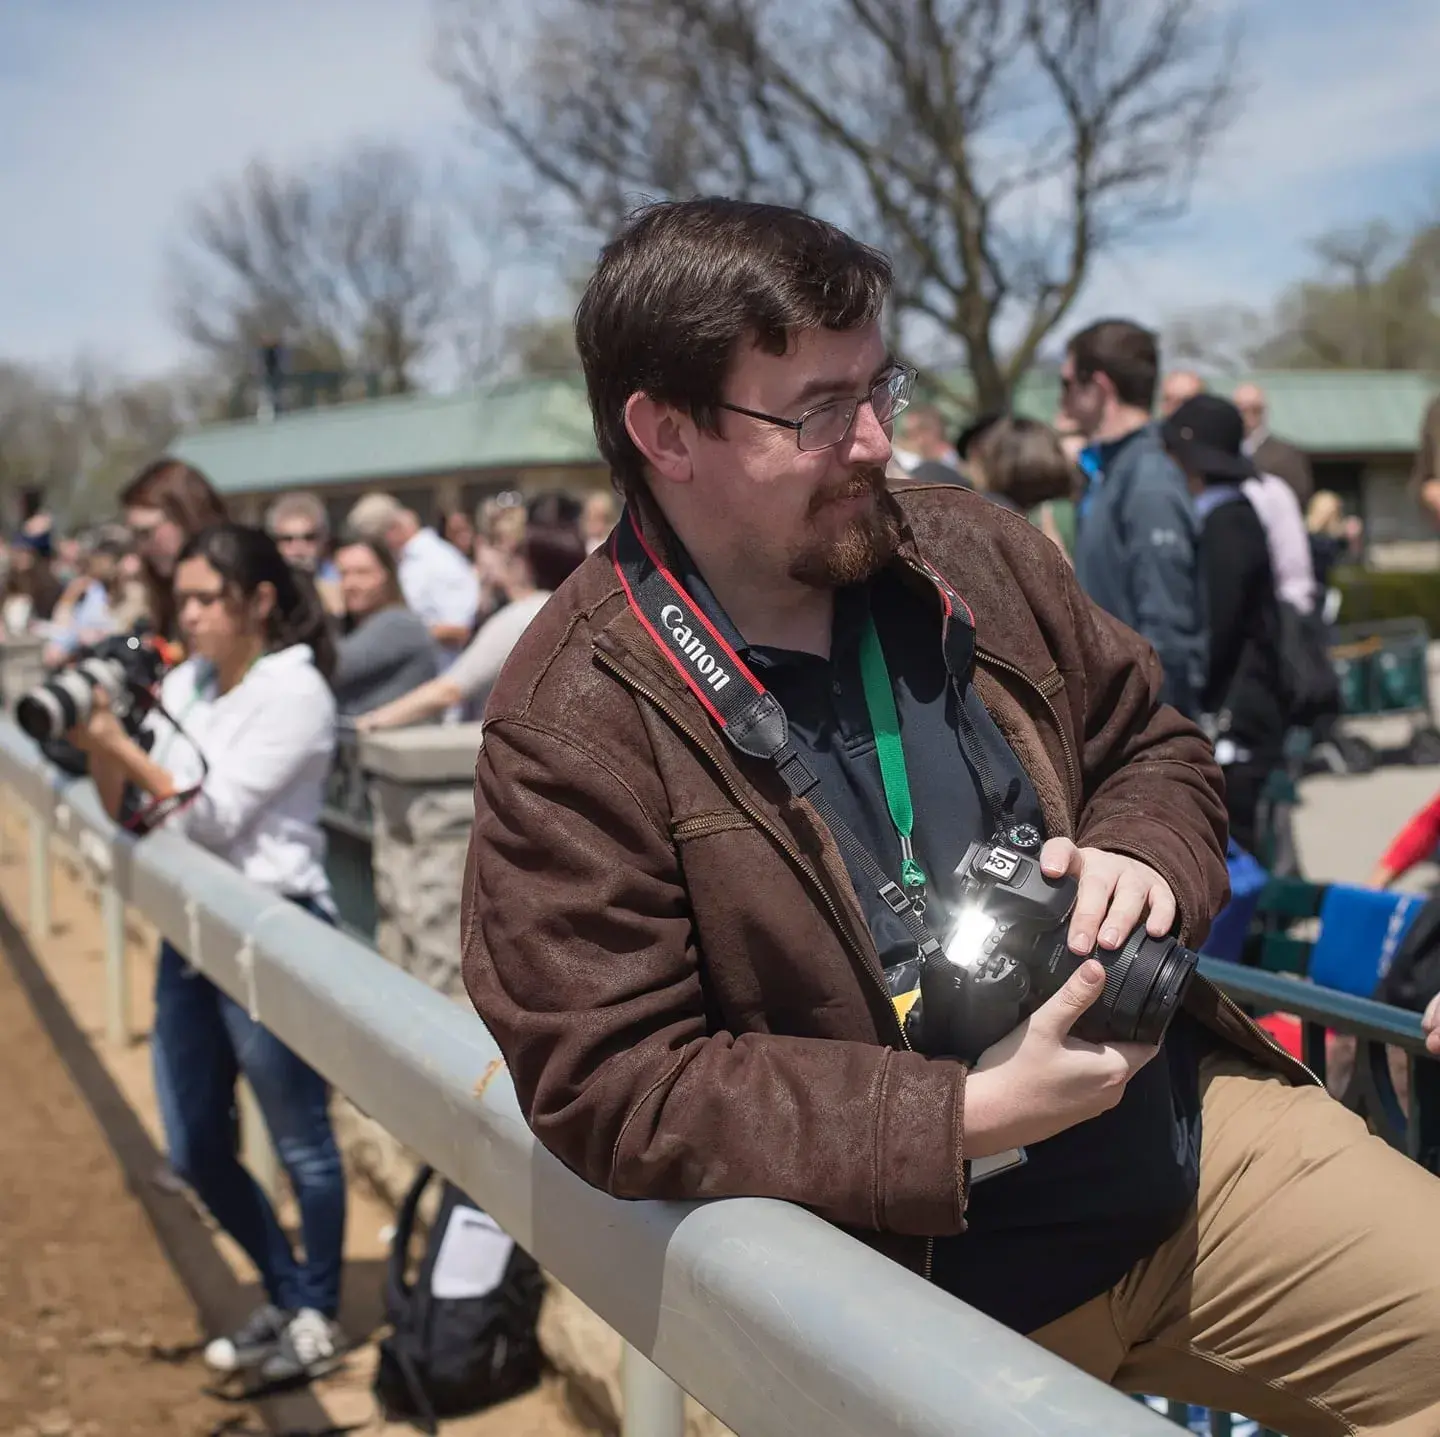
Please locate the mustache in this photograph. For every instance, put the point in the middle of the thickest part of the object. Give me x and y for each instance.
(867, 481)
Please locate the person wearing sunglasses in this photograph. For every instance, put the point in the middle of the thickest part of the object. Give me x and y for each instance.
(300, 528)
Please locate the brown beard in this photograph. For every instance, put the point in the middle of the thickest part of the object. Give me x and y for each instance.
(862, 549)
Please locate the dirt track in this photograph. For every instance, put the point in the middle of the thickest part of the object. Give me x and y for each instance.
(87, 1300)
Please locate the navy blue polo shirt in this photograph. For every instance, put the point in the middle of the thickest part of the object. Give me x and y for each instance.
(1091, 1202)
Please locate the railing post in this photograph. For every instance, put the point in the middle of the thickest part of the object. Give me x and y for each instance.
(39, 876)
(117, 976)
(257, 1152)
(654, 1405)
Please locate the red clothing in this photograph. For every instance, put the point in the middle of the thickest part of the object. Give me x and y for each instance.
(1416, 841)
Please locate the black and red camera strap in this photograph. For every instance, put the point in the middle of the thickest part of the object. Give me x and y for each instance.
(750, 717)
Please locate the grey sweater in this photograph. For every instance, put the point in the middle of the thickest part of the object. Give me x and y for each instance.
(389, 654)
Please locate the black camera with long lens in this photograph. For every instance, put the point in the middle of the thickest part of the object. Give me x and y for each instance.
(126, 667)
(1007, 952)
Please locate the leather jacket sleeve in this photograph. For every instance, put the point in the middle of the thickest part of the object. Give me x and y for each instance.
(579, 953)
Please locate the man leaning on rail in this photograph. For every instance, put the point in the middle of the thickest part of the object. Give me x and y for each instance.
(691, 971)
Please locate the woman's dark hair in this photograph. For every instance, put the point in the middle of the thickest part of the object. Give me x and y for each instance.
(1023, 461)
(687, 284)
(245, 558)
(381, 554)
(553, 552)
(186, 498)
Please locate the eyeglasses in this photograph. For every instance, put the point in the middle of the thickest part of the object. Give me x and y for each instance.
(305, 536)
(827, 424)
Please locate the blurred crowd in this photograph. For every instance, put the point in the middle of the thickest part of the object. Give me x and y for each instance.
(277, 638)
(423, 613)
(1179, 510)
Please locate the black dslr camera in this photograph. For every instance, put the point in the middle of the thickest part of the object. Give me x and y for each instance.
(126, 666)
(1007, 952)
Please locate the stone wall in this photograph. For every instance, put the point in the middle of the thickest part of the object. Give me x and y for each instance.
(20, 669)
(420, 787)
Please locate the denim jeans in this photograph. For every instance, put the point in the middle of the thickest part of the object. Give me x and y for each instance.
(203, 1040)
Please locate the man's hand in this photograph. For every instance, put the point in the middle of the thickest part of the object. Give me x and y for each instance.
(1431, 1023)
(1039, 1081)
(1115, 893)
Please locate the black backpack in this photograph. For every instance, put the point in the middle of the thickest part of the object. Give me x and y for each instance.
(463, 1334)
(1309, 685)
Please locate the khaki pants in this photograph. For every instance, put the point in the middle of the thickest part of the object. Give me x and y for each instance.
(1304, 1291)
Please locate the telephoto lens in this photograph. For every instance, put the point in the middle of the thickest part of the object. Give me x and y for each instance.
(51, 709)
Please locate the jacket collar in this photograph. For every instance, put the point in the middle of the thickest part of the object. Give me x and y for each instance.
(625, 633)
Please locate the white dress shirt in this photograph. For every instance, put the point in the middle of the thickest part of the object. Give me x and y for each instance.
(269, 743)
(439, 583)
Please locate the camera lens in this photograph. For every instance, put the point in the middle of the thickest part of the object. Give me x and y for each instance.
(48, 710)
(1144, 983)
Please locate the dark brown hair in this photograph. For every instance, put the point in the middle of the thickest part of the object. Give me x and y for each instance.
(380, 552)
(1023, 461)
(686, 283)
(186, 498)
(245, 558)
(553, 552)
(1127, 354)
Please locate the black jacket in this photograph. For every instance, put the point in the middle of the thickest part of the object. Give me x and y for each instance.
(1243, 678)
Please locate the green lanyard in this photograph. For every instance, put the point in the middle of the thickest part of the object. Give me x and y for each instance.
(880, 701)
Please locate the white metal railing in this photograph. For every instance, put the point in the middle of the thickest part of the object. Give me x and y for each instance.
(776, 1321)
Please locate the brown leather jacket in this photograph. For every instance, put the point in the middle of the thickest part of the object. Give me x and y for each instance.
(668, 949)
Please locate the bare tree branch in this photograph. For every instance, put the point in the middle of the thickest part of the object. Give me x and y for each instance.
(349, 266)
(993, 147)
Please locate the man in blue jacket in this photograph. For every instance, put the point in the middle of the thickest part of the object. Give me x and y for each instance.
(1136, 547)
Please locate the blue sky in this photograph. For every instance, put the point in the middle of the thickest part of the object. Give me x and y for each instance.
(115, 112)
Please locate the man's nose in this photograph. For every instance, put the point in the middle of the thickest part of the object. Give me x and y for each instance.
(869, 441)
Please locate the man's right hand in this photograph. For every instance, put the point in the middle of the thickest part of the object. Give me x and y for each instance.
(1039, 1080)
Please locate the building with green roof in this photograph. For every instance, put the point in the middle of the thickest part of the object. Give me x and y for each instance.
(1361, 430)
(432, 451)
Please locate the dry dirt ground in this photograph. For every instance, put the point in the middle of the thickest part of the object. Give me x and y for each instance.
(107, 1280)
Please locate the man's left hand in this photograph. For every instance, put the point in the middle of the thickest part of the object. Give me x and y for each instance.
(1431, 1023)
(1115, 894)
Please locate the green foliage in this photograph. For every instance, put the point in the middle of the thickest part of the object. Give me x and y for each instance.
(1371, 595)
(1374, 305)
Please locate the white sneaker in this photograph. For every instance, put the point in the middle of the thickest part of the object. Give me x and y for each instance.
(256, 1339)
(310, 1346)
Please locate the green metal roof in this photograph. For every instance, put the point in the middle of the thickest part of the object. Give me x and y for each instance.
(530, 424)
(1345, 412)
(526, 424)
(1322, 411)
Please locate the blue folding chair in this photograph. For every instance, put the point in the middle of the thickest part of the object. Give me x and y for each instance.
(1360, 931)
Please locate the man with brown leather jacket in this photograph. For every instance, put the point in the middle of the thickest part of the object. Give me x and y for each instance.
(777, 710)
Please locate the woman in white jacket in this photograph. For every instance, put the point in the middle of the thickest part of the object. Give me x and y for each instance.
(239, 750)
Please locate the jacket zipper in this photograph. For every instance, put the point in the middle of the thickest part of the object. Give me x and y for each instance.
(760, 820)
(1071, 769)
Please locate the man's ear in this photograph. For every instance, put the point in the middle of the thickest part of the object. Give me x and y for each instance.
(663, 435)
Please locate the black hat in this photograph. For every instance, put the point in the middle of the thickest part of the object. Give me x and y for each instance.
(1206, 435)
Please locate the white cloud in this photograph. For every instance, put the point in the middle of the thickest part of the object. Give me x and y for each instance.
(1342, 110)
(124, 112)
